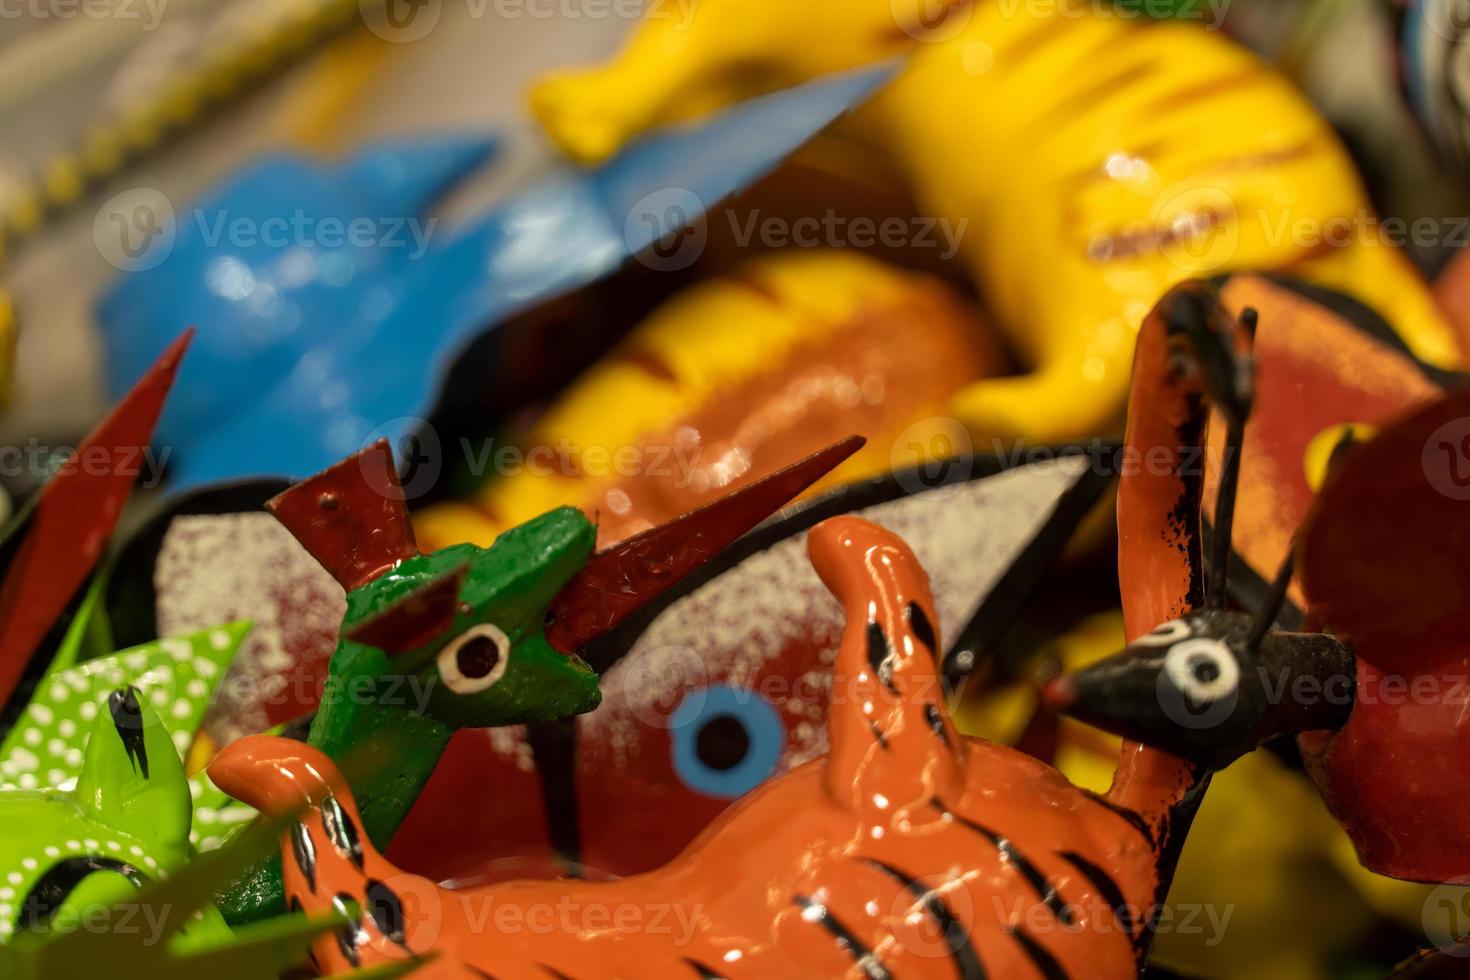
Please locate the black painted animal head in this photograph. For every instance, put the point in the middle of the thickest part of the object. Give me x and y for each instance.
(1211, 684)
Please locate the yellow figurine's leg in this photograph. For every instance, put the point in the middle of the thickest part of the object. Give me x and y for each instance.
(664, 74)
(1060, 402)
(1379, 275)
(590, 114)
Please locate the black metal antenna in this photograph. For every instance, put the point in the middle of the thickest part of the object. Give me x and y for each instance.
(1225, 514)
(1274, 599)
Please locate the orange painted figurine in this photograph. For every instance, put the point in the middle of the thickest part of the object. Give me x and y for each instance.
(903, 831)
(907, 850)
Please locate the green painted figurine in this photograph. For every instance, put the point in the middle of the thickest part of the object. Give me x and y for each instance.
(471, 637)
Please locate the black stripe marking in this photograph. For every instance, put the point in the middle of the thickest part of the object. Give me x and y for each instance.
(554, 749)
(1045, 962)
(1008, 852)
(341, 831)
(127, 719)
(966, 961)
(347, 935)
(936, 722)
(386, 909)
(53, 888)
(555, 973)
(923, 629)
(1106, 887)
(878, 735)
(1134, 819)
(880, 655)
(704, 972)
(816, 912)
(303, 849)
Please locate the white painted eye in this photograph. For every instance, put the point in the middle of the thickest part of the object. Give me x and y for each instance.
(476, 659)
(1203, 669)
(1171, 632)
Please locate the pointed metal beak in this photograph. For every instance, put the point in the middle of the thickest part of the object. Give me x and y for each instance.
(621, 580)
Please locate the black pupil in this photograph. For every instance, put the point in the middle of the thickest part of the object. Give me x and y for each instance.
(722, 743)
(1206, 670)
(478, 657)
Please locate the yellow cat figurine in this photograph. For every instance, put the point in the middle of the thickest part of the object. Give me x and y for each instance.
(1094, 161)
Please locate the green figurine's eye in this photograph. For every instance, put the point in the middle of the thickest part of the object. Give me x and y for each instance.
(476, 659)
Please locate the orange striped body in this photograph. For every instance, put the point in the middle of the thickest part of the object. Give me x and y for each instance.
(907, 852)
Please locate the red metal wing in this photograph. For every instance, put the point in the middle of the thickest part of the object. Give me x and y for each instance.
(1316, 371)
(351, 516)
(622, 579)
(1385, 556)
(75, 517)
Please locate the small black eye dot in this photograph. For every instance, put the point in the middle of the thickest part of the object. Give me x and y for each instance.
(477, 657)
(1205, 670)
(722, 743)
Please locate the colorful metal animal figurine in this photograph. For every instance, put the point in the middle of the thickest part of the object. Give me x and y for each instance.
(336, 335)
(126, 822)
(906, 850)
(158, 930)
(469, 637)
(1326, 367)
(767, 361)
(1083, 204)
(66, 526)
(723, 683)
(178, 677)
(1380, 721)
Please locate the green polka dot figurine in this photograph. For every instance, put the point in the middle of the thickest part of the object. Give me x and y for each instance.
(124, 823)
(176, 676)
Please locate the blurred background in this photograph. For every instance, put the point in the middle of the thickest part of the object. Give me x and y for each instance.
(311, 74)
(103, 97)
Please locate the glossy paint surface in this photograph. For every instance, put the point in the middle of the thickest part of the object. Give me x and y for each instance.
(78, 508)
(728, 685)
(344, 340)
(1394, 590)
(1085, 201)
(734, 376)
(936, 827)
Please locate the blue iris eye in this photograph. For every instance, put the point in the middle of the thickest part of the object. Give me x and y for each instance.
(726, 741)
